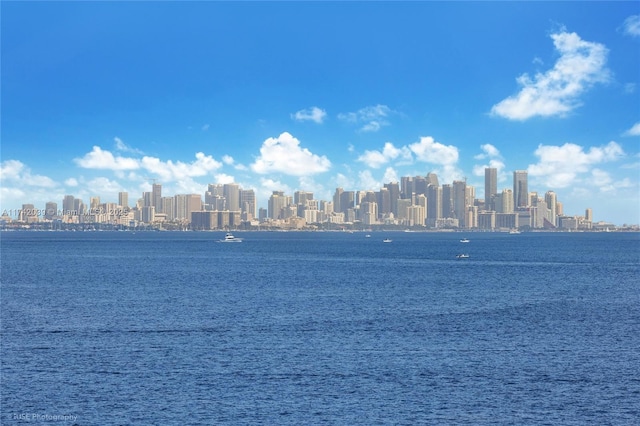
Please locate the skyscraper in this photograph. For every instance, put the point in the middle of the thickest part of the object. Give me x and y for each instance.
(552, 201)
(490, 187)
(459, 197)
(520, 189)
(123, 199)
(156, 199)
(232, 196)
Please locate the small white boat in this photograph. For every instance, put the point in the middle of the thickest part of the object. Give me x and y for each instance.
(514, 231)
(387, 240)
(464, 240)
(462, 256)
(229, 238)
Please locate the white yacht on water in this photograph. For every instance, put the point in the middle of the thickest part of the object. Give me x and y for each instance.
(229, 238)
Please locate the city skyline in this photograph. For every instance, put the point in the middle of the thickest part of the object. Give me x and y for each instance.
(103, 98)
(414, 201)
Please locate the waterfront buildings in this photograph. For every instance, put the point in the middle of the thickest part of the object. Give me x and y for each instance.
(415, 201)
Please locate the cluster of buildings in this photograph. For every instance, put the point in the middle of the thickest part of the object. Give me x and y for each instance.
(419, 201)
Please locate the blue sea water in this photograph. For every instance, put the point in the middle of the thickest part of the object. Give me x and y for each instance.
(111, 328)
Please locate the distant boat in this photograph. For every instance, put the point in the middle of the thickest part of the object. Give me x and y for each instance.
(387, 240)
(514, 231)
(464, 240)
(462, 256)
(367, 236)
(229, 238)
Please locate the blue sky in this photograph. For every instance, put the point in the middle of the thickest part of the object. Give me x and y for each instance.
(102, 97)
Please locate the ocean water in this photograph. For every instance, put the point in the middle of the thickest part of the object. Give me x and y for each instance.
(112, 328)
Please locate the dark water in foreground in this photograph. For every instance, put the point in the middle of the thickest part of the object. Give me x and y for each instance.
(310, 328)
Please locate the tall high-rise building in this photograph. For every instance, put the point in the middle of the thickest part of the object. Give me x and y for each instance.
(68, 205)
(94, 202)
(447, 201)
(168, 207)
(384, 202)
(336, 200)
(406, 187)
(277, 202)
(459, 197)
(520, 189)
(504, 202)
(232, 196)
(123, 199)
(394, 195)
(248, 202)
(301, 197)
(347, 199)
(432, 179)
(490, 187)
(434, 203)
(420, 185)
(50, 210)
(156, 197)
(552, 204)
(588, 215)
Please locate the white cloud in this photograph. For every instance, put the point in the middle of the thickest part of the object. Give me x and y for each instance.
(429, 151)
(227, 159)
(556, 92)
(367, 182)
(634, 130)
(71, 182)
(123, 147)
(169, 170)
(315, 114)
(19, 186)
(223, 178)
(16, 172)
(560, 166)
(390, 175)
(105, 187)
(631, 25)
(100, 159)
(285, 155)
(372, 118)
(376, 159)
(489, 151)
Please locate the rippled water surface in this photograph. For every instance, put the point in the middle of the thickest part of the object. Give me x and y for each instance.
(309, 328)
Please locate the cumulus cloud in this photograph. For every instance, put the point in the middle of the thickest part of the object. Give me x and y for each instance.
(285, 155)
(560, 166)
(101, 159)
(18, 185)
(367, 182)
(429, 151)
(315, 114)
(376, 159)
(556, 92)
(71, 182)
(16, 172)
(492, 154)
(390, 175)
(370, 118)
(169, 170)
(634, 130)
(631, 26)
(166, 170)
